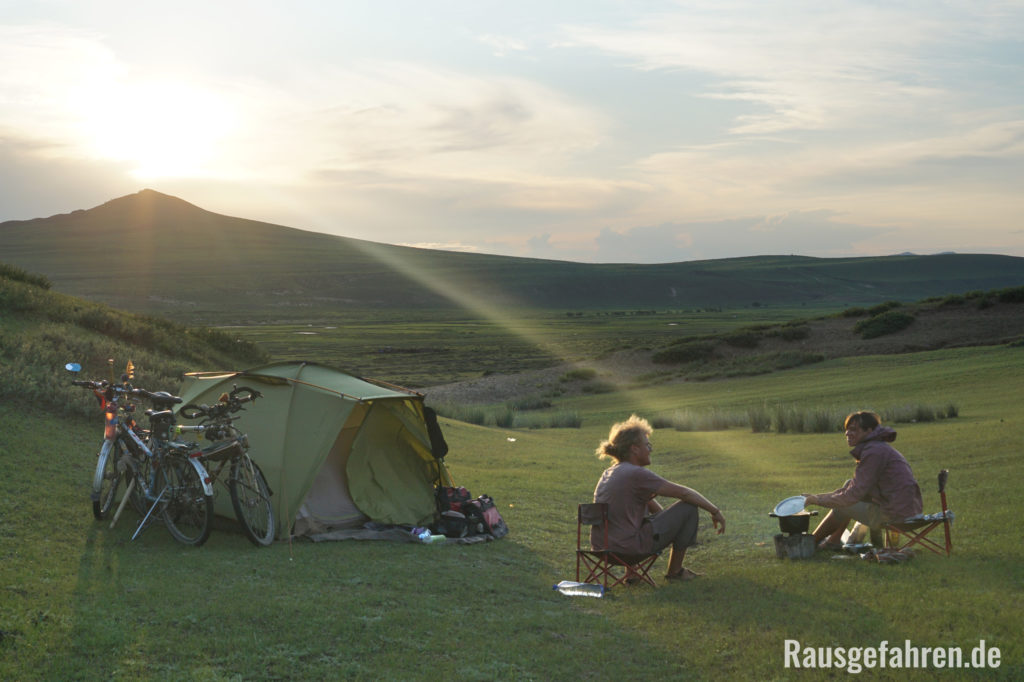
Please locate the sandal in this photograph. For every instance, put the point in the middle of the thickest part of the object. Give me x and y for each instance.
(682, 575)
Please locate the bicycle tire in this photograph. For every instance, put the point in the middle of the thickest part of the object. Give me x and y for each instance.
(187, 510)
(250, 496)
(108, 478)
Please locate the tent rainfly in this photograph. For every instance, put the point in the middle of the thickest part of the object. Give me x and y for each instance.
(336, 450)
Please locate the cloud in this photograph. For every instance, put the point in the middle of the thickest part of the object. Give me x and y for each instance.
(45, 73)
(809, 67)
(405, 120)
(502, 45)
(445, 246)
(540, 246)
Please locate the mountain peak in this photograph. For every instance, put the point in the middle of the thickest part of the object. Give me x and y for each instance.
(148, 200)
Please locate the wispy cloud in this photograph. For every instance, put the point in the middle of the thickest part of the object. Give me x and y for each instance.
(810, 67)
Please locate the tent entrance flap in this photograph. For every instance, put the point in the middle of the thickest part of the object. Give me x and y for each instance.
(328, 505)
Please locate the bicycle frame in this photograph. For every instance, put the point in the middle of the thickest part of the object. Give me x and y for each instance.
(194, 455)
(219, 454)
(114, 425)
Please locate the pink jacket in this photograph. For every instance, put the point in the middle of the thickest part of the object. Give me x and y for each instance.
(882, 477)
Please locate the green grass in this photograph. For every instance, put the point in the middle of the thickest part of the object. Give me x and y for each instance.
(422, 348)
(81, 601)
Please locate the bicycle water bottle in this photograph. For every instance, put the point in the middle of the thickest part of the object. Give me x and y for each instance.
(575, 589)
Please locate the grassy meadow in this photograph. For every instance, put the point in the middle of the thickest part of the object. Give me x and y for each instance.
(420, 348)
(79, 600)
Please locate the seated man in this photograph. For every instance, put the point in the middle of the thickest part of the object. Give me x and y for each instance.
(636, 522)
(883, 488)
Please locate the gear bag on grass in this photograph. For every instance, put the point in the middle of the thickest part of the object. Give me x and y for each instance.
(461, 515)
(483, 517)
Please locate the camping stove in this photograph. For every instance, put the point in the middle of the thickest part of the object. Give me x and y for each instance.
(794, 542)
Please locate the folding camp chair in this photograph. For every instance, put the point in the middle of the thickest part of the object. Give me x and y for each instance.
(913, 532)
(594, 565)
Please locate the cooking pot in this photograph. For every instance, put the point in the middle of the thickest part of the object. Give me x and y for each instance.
(795, 523)
(792, 516)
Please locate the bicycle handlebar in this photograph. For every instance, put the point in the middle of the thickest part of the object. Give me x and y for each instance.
(94, 385)
(157, 397)
(228, 404)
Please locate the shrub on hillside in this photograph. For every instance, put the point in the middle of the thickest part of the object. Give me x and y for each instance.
(883, 307)
(579, 374)
(1011, 295)
(686, 351)
(742, 339)
(790, 359)
(661, 422)
(760, 419)
(597, 387)
(17, 297)
(918, 414)
(886, 323)
(16, 274)
(795, 332)
(531, 403)
(788, 419)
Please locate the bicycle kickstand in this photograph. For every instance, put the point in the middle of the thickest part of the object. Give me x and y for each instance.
(145, 519)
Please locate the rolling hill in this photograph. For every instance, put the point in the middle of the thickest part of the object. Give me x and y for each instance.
(42, 330)
(150, 252)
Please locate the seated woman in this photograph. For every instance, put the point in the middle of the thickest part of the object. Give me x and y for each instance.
(636, 522)
(882, 489)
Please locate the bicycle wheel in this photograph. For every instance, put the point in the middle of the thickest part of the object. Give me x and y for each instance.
(187, 510)
(106, 480)
(250, 496)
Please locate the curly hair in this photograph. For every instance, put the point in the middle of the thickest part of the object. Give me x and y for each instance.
(623, 436)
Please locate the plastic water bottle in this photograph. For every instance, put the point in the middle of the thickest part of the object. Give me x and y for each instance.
(575, 589)
(426, 537)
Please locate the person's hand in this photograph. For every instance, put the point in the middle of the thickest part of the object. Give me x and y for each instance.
(718, 520)
(809, 499)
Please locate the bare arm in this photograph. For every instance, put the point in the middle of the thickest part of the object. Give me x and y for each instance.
(691, 496)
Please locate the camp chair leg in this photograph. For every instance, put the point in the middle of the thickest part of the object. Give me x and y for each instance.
(635, 569)
(907, 538)
(596, 568)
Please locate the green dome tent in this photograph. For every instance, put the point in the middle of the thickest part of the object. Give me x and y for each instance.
(336, 450)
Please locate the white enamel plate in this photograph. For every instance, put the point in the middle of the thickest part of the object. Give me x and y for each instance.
(789, 506)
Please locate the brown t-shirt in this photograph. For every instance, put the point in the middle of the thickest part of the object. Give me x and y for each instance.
(626, 488)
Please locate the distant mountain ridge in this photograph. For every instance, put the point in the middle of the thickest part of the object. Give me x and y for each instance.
(152, 252)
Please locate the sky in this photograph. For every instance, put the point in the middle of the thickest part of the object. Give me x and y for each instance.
(596, 131)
